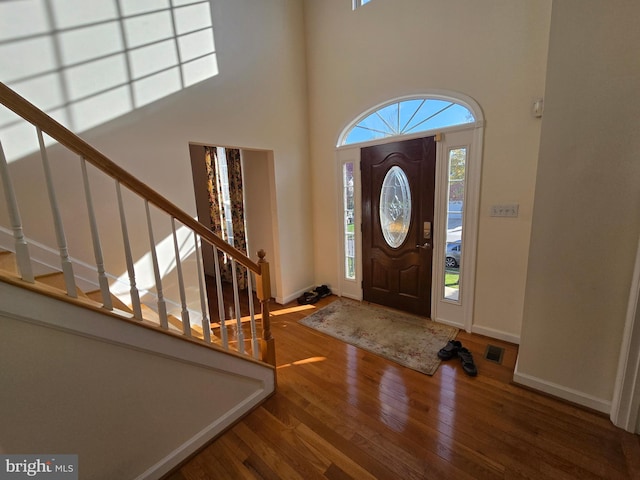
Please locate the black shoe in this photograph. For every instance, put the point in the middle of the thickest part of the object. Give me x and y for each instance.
(308, 297)
(467, 362)
(322, 291)
(450, 350)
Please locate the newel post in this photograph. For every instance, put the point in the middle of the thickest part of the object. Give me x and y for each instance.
(263, 290)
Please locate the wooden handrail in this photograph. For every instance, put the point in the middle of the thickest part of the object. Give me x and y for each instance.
(64, 136)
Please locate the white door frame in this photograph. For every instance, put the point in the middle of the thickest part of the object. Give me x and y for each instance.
(459, 314)
(626, 395)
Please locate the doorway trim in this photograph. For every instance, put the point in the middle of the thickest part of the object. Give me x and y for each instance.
(625, 405)
(471, 135)
(261, 219)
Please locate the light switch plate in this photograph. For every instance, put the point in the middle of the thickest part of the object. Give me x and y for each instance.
(510, 210)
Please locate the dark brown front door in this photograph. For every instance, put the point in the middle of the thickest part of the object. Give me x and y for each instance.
(398, 181)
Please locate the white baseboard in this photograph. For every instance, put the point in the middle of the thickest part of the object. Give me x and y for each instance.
(357, 298)
(498, 334)
(196, 442)
(292, 296)
(562, 392)
(444, 321)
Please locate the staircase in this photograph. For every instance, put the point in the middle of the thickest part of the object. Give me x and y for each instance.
(53, 284)
(148, 348)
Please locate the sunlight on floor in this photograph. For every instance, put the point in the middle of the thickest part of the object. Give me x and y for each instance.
(285, 311)
(258, 316)
(303, 362)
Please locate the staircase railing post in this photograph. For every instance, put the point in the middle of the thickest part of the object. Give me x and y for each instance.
(65, 261)
(263, 290)
(103, 281)
(133, 289)
(162, 305)
(23, 258)
(186, 321)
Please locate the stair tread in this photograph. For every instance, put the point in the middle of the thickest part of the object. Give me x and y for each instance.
(115, 301)
(177, 323)
(8, 262)
(57, 280)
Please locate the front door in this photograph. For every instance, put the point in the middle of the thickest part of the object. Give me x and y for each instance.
(398, 182)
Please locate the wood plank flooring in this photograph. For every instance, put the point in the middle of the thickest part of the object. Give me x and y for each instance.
(343, 413)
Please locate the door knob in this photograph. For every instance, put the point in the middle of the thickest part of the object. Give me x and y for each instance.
(426, 245)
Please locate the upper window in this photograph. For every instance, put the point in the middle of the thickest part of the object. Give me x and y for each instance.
(359, 3)
(406, 117)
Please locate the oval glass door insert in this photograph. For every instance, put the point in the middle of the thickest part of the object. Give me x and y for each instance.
(395, 207)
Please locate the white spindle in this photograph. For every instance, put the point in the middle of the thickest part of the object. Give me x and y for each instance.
(162, 306)
(252, 316)
(186, 323)
(95, 237)
(206, 326)
(133, 290)
(23, 259)
(236, 300)
(67, 267)
(223, 324)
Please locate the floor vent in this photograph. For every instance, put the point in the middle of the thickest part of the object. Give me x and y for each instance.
(493, 353)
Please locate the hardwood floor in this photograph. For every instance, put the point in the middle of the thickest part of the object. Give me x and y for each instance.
(341, 413)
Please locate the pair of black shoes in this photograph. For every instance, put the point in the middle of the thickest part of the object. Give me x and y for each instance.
(312, 297)
(454, 348)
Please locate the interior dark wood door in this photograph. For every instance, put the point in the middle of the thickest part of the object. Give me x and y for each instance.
(397, 239)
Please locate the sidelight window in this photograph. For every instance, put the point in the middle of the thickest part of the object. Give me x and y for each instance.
(348, 202)
(457, 159)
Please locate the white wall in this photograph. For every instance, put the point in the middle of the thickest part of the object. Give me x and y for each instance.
(262, 225)
(495, 52)
(257, 100)
(585, 224)
(127, 400)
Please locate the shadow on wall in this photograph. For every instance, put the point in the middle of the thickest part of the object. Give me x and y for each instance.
(86, 62)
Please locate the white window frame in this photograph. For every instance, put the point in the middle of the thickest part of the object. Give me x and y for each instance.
(358, 3)
(350, 287)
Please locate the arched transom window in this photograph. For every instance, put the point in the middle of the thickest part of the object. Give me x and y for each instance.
(406, 117)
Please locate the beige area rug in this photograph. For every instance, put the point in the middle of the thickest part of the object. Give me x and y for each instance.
(406, 339)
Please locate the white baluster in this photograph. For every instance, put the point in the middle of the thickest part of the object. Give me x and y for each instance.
(23, 259)
(162, 306)
(254, 336)
(95, 236)
(186, 323)
(223, 324)
(133, 290)
(67, 267)
(236, 300)
(206, 326)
